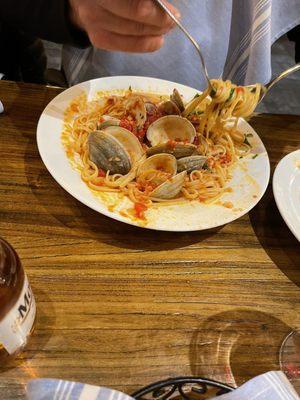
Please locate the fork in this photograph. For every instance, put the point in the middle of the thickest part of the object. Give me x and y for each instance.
(278, 78)
(189, 36)
(266, 88)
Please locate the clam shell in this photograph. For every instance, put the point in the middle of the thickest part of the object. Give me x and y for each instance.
(177, 99)
(168, 107)
(128, 140)
(161, 162)
(135, 106)
(108, 153)
(191, 163)
(150, 108)
(178, 150)
(171, 188)
(171, 127)
(108, 121)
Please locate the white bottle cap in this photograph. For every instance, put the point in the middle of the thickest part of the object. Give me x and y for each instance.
(1, 107)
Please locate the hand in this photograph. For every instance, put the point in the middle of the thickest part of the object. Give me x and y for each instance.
(122, 25)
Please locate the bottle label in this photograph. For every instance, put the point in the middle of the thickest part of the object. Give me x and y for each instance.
(17, 324)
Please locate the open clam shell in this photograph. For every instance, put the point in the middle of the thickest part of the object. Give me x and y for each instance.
(171, 127)
(177, 99)
(114, 149)
(151, 108)
(107, 121)
(170, 188)
(108, 153)
(178, 150)
(135, 106)
(191, 163)
(168, 107)
(128, 140)
(160, 162)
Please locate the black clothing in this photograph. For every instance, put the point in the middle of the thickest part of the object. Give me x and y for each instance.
(46, 19)
(294, 36)
(22, 55)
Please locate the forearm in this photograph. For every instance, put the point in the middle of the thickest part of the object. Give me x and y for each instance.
(47, 19)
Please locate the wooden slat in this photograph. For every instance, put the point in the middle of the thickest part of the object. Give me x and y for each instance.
(122, 307)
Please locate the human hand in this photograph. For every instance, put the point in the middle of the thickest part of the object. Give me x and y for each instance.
(122, 25)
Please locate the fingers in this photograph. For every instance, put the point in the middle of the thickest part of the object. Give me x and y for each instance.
(129, 43)
(123, 26)
(144, 11)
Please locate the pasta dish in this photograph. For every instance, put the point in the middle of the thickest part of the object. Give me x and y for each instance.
(156, 148)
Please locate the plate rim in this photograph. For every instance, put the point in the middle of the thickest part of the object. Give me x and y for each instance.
(119, 217)
(277, 195)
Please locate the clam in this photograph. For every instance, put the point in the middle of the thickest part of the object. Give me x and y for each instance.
(191, 163)
(177, 99)
(167, 188)
(171, 127)
(108, 153)
(150, 108)
(178, 150)
(128, 140)
(170, 188)
(168, 107)
(107, 121)
(135, 106)
(114, 149)
(160, 162)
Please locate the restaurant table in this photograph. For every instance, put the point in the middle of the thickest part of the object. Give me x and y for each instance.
(122, 306)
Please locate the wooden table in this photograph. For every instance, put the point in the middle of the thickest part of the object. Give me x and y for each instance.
(123, 307)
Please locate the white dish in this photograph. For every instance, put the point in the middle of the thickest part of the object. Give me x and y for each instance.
(286, 188)
(249, 182)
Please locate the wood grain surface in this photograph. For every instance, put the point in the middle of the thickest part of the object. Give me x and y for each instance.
(123, 307)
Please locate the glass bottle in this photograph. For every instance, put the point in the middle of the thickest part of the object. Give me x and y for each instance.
(289, 358)
(17, 304)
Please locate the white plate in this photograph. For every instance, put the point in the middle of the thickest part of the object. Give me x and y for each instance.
(286, 188)
(249, 182)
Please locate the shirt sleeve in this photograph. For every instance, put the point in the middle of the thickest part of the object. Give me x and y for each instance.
(47, 19)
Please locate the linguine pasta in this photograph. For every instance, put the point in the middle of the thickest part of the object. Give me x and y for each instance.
(216, 143)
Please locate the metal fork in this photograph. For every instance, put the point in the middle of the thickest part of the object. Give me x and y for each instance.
(278, 78)
(189, 36)
(266, 88)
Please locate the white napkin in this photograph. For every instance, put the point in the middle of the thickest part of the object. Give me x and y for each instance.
(269, 386)
(54, 389)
